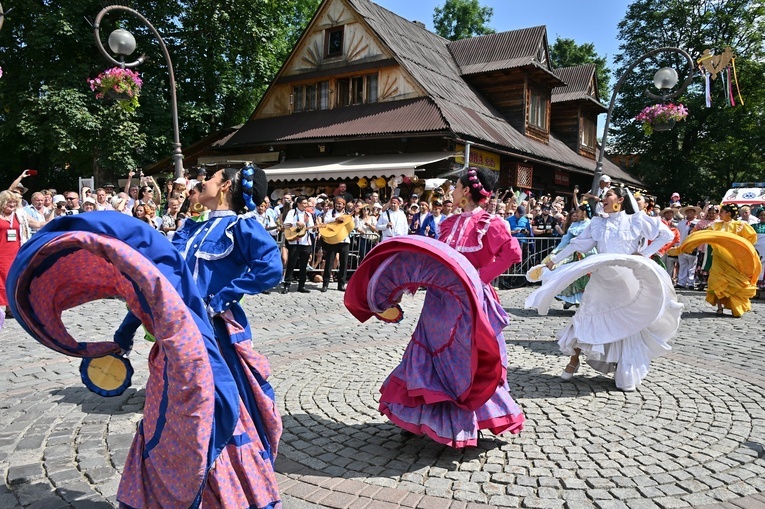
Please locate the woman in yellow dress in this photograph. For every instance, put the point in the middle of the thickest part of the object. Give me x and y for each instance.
(729, 287)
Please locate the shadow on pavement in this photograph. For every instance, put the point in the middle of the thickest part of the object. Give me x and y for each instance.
(128, 402)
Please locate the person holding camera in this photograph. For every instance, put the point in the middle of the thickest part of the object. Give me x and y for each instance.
(393, 221)
(544, 224)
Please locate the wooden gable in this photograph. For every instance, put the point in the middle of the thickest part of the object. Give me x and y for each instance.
(336, 47)
(516, 76)
(576, 108)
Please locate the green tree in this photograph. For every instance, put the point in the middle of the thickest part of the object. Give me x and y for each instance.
(460, 19)
(224, 55)
(714, 146)
(567, 53)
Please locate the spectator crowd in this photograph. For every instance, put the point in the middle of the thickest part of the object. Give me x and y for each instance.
(534, 220)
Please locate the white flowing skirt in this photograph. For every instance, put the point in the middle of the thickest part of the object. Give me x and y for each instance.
(628, 313)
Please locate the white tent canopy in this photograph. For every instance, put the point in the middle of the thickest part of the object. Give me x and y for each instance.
(351, 167)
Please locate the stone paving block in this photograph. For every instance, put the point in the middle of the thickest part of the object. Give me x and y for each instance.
(670, 503)
(8, 501)
(337, 500)
(365, 503)
(610, 504)
(542, 503)
(24, 473)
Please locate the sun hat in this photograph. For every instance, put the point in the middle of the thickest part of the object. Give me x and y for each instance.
(684, 210)
(116, 202)
(667, 209)
(180, 180)
(58, 198)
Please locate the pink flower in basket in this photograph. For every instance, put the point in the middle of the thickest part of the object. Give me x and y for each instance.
(657, 116)
(123, 85)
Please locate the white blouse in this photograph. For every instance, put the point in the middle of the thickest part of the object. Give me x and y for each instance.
(620, 233)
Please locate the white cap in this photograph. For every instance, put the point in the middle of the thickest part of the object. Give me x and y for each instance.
(89, 200)
(605, 178)
(58, 198)
(180, 180)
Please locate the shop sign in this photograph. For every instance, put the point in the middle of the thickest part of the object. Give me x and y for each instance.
(562, 178)
(480, 158)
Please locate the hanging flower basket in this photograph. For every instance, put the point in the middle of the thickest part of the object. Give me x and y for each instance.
(122, 85)
(661, 117)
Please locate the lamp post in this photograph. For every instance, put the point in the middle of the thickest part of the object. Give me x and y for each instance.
(122, 43)
(664, 79)
(2, 15)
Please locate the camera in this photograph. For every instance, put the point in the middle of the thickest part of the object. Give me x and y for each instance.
(69, 212)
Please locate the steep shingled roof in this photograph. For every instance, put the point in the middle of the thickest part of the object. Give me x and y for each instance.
(428, 58)
(504, 50)
(577, 79)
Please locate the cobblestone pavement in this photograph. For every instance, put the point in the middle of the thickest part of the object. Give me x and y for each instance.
(693, 435)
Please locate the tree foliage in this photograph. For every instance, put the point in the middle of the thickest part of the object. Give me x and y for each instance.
(567, 53)
(224, 56)
(715, 146)
(460, 19)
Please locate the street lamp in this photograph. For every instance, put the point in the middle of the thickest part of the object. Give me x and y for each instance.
(664, 79)
(122, 43)
(2, 15)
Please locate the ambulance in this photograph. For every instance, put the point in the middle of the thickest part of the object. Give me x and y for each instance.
(746, 193)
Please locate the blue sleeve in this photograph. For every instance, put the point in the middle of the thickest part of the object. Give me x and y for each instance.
(430, 221)
(126, 331)
(564, 241)
(263, 259)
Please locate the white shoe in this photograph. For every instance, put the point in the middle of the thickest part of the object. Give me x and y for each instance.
(628, 388)
(565, 375)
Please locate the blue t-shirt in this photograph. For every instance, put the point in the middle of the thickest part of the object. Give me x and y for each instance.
(516, 225)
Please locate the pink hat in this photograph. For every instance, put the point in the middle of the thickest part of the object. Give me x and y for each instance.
(675, 195)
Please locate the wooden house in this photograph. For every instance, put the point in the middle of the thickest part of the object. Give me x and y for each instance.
(367, 93)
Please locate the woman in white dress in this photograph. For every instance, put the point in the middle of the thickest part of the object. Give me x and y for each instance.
(619, 335)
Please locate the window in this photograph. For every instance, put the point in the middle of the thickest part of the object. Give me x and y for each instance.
(324, 95)
(371, 88)
(310, 97)
(588, 133)
(297, 98)
(538, 111)
(356, 90)
(333, 42)
(343, 92)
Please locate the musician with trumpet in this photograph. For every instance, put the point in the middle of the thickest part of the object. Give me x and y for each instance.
(335, 233)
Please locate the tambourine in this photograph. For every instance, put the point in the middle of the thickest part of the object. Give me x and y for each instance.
(107, 376)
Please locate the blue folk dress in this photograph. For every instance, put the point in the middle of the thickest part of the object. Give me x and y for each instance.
(572, 294)
(229, 256)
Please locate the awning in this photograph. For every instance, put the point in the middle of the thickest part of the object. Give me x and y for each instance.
(381, 165)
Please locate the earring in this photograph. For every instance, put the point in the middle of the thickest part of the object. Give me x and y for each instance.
(615, 206)
(221, 199)
(463, 202)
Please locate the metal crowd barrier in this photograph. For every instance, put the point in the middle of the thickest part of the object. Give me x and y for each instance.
(360, 246)
(534, 251)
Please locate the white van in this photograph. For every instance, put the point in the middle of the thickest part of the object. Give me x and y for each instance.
(746, 193)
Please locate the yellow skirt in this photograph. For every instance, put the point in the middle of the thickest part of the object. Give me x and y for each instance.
(734, 271)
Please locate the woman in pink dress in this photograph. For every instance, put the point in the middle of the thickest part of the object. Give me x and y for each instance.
(452, 379)
(10, 242)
